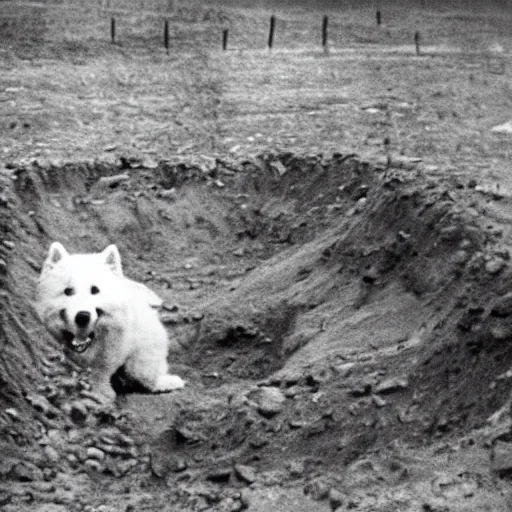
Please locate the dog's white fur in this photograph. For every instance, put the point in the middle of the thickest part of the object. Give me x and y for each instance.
(88, 305)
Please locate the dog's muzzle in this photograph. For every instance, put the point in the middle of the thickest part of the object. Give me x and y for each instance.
(76, 345)
(82, 319)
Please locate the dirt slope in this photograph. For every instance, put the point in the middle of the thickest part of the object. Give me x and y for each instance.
(343, 330)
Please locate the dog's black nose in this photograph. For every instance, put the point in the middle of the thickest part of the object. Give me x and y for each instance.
(82, 318)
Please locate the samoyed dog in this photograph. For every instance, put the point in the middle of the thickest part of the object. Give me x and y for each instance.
(104, 320)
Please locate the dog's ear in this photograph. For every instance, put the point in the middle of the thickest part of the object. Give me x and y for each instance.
(112, 259)
(55, 254)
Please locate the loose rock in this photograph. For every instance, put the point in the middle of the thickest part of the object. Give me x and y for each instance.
(51, 453)
(495, 266)
(296, 468)
(378, 401)
(245, 473)
(95, 453)
(392, 385)
(94, 465)
(268, 400)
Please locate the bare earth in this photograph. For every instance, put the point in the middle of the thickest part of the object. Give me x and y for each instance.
(329, 231)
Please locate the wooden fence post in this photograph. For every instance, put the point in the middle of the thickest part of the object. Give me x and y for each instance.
(271, 32)
(225, 39)
(113, 29)
(166, 35)
(417, 39)
(324, 31)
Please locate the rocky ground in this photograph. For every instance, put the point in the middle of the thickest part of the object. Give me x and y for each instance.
(342, 321)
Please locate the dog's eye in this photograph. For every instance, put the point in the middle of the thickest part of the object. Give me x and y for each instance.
(95, 290)
(69, 291)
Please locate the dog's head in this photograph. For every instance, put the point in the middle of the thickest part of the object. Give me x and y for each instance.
(74, 291)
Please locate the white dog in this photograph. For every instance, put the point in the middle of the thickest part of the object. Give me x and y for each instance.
(104, 320)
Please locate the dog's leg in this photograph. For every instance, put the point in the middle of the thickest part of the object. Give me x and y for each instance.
(100, 384)
(104, 365)
(149, 367)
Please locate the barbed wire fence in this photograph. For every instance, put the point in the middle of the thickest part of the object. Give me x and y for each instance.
(480, 33)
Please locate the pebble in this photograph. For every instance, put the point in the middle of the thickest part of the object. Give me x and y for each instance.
(245, 473)
(360, 204)
(13, 413)
(51, 453)
(113, 449)
(501, 332)
(495, 266)
(378, 401)
(95, 453)
(296, 468)
(344, 369)
(123, 467)
(177, 464)
(54, 436)
(111, 181)
(460, 257)
(279, 167)
(258, 440)
(392, 385)
(72, 459)
(95, 465)
(268, 400)
(124, 440)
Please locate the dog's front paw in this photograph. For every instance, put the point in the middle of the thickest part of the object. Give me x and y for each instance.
(169, 383)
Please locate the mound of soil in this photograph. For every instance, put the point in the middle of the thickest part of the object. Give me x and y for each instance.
(343, 327)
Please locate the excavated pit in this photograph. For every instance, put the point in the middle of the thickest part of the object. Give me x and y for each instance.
(373, 297)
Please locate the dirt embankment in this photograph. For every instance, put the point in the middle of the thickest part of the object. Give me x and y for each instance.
(340, 322)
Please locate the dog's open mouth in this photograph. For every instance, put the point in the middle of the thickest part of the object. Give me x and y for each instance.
(77, 345)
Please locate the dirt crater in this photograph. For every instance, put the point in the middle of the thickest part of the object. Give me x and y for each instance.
(364, 294)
